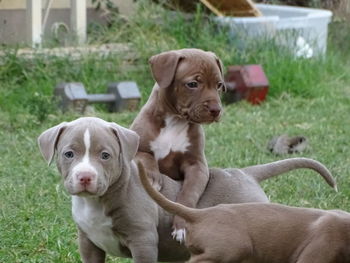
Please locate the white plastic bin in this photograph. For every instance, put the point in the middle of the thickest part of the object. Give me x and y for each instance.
(303, 30)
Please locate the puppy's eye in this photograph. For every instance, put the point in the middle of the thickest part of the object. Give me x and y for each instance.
(192, 85)
(105, 156)
(69, 154)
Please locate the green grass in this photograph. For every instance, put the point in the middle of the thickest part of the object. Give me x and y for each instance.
(308, 97)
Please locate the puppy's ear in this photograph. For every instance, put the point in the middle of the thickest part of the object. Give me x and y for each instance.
(221, 67)
(48, 140)
(128, 140)
(164, 67)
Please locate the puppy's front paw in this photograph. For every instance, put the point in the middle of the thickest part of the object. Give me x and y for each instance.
(179, 235)
(179, 232)
(155, 179)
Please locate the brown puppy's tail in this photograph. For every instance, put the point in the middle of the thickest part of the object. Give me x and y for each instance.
(265, 171)
(174, 208)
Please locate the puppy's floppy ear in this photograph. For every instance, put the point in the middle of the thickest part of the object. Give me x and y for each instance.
(48, 140)
(128, 139)
(221, 67)
(164, 67)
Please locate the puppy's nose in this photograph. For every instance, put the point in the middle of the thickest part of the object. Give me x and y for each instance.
(214, 110)
(85, 178)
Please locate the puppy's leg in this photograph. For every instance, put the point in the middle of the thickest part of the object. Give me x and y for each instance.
(320, 250)
(89, 252)
(144, 249)
(318, 259)
(195, 182)
(202, 258)
(151, 166)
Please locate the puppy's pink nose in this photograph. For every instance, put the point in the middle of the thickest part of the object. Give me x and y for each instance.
(214, 110)
(85, 178)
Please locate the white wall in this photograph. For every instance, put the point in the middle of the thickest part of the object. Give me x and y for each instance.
(13, 17)
(125, 6)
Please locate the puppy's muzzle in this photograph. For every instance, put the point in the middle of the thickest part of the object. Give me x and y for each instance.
(85, 178)
(85, 182)
(206, 112)
(214, 110)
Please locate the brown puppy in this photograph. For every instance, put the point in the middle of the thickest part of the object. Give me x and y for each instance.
(186, 94)
(258, 232)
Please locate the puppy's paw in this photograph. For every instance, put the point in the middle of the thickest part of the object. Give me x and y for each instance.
(179, 232)
(156, 180)
(179, 235)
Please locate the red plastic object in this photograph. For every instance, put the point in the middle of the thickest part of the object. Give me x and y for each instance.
(247, 82)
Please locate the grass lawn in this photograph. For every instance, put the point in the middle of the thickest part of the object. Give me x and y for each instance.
(306, 97)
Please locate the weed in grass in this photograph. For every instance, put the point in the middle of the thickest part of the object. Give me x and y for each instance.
(41, 106)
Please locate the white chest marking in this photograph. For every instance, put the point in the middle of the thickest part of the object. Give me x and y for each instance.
(88, 213)
(173, 137)
(85, 165)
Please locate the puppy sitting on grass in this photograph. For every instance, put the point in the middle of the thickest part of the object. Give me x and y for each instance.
(260, 232)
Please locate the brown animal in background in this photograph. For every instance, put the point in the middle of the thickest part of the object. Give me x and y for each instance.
(186, 94)
(284, 144)
(258, 232)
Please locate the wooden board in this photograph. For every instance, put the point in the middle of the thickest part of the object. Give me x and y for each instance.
(232, 7)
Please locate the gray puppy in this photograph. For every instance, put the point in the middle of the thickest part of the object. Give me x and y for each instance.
(113, 213)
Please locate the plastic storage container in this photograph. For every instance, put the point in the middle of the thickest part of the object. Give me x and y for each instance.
(303, 30)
